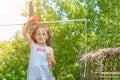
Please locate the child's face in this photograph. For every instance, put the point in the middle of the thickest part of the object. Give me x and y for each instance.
(39, 37)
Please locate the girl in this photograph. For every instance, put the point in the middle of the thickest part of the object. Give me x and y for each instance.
(42, 55)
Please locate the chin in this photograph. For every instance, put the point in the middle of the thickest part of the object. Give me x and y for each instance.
(41, 42)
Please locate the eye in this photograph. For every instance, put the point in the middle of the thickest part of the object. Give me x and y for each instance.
(38, 34)
(44, 34)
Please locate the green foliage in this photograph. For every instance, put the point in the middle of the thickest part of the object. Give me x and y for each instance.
(14, 59)
(109, 22)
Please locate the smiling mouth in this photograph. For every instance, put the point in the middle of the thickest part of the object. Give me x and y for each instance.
(41, 39)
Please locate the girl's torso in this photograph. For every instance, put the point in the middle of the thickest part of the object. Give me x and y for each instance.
(38, 68)
(38, 56)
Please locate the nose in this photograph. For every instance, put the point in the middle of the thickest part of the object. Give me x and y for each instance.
(40, 36)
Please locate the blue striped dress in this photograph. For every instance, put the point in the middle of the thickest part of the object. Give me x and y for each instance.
(38, 68)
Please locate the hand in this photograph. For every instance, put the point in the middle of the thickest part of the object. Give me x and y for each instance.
(34, 19)
(31, 19)
(48, 59)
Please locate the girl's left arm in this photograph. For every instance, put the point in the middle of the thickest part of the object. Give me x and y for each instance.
(53, 61)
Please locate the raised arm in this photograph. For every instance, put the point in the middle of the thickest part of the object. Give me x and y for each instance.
(26, 32)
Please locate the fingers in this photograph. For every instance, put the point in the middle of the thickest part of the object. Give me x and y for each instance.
(31, 19)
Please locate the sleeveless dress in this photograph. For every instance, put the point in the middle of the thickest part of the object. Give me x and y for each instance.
(38, 68)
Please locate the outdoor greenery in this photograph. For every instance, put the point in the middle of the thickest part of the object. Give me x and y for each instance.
(69, 39)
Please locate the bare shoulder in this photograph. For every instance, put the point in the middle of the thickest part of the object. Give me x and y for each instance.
(51, 50)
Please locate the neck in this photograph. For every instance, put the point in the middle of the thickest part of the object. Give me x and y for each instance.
(41, 44)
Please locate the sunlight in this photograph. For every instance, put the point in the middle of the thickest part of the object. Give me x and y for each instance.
(10, 11)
